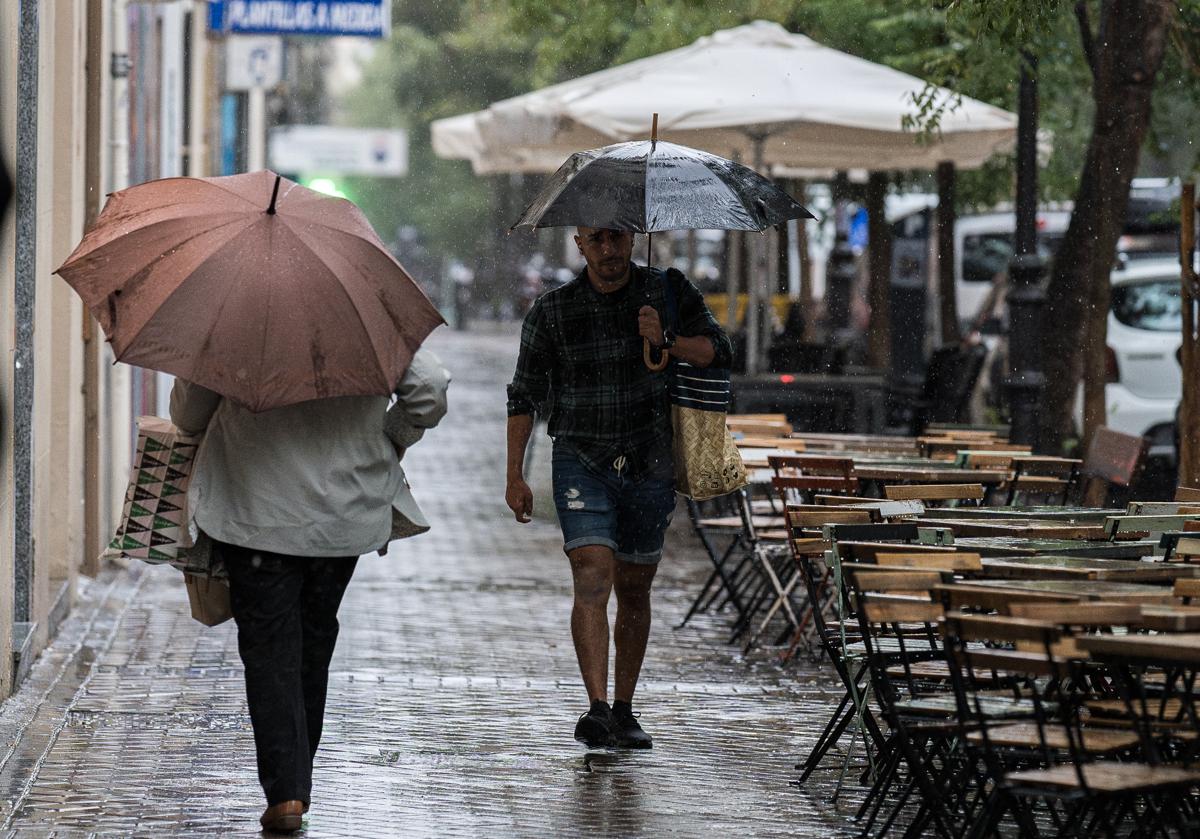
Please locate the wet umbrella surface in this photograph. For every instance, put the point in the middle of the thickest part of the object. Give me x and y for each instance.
(253, 286)
(647, 186)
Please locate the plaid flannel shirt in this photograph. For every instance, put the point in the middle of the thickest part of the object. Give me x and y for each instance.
(580, 366)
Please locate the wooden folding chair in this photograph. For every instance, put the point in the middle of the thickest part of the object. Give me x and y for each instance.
(899, 629)
(1185, 493)
(799, 476)
(1045, 758)
(1044, 478)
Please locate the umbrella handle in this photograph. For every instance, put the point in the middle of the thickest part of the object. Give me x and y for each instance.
(647, 356)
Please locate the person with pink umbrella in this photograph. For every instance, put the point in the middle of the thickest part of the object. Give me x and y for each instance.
(290, 328)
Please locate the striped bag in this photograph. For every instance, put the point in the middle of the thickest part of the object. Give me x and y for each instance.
(707, 463)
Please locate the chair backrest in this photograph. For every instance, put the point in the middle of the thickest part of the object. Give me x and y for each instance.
(1187, 588)
(785, 443)
(934, 560)
(762, 417)
(798, 476)
(990, 460)
(827, 515)
(1113, 460)
(812, 464)
(1185, 493)
(934, 492)
(899, 623)
(758, 428)
(1054, 467)
(1052, 479)
(838, 500)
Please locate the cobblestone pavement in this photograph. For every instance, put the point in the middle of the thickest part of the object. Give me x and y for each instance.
(453, 694)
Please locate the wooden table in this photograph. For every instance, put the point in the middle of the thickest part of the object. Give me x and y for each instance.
(1182, 647)
(1021, 528)
(1012, 546)
(1084, 568)
(757, 458)
(928, 474)
(1071, 515)
(1083, 589)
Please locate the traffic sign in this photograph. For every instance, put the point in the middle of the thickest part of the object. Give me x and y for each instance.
(326, 150)
(253, 61)
(364, 18)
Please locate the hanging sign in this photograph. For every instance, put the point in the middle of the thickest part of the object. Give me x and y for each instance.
(329, 150)
(363, 18)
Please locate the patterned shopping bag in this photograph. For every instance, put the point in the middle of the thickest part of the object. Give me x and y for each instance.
(155, 525)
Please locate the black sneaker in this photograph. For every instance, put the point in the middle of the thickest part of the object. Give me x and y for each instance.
(628, 732)
(596, 728)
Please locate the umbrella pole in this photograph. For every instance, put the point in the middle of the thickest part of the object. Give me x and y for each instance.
(647, 353)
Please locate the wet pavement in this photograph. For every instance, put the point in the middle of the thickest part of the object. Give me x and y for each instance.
(452, 697)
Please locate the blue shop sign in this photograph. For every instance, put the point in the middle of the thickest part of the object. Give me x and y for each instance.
(363, 18)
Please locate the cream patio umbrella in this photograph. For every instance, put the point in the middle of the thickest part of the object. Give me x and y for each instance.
(758, 92)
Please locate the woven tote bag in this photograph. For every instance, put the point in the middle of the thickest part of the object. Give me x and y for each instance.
(707, 463)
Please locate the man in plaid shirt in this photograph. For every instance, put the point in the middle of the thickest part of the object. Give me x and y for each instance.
(581, 367)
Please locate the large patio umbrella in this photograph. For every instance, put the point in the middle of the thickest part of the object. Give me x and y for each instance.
(253, 286)
(757, 91)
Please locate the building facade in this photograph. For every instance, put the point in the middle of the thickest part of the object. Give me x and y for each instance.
(94, 95)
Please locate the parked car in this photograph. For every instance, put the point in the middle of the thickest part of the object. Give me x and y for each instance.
(1144, 379)
(983, 248)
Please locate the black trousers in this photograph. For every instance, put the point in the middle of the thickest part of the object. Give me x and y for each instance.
(286, 609)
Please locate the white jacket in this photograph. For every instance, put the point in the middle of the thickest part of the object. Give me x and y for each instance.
(320, 478)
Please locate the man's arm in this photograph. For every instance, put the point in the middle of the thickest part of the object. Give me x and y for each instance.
(696, 350)
(527, 394)
(517, 493)
(701, 342)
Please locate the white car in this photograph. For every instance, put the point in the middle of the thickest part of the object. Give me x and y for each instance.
(983, 248)
(1144, 323)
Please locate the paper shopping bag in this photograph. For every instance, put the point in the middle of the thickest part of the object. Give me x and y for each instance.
(155, 522)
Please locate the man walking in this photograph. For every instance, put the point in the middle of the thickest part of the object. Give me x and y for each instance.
(581, 366)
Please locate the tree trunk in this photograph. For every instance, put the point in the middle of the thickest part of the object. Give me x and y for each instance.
(1129, 50)
(947, 293)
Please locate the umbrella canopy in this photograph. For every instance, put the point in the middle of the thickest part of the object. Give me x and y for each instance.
(755, 90)
(253, 286)
(647, 186)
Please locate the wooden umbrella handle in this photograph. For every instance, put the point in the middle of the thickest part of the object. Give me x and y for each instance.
(648, 358)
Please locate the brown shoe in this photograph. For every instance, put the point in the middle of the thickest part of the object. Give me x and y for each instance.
(283, 817)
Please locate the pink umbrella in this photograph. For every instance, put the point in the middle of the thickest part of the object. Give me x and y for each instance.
(253, 286)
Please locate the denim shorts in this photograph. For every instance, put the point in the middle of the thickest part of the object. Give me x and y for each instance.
(608, 508)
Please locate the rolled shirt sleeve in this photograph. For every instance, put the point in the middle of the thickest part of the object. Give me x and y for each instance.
(192, 406)
(695, 318)
(421, 399)
(530, 385)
